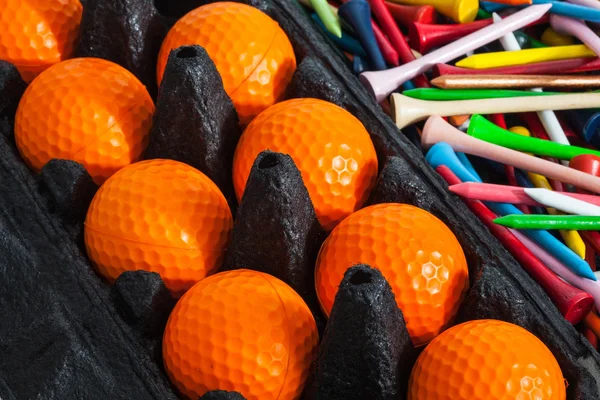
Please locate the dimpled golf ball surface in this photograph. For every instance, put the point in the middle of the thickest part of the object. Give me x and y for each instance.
(251, 52)
(37, 33)
(240, 330)
(88, 110)
(161, 216)
(330, 147)
(486, 360)
(416, 253)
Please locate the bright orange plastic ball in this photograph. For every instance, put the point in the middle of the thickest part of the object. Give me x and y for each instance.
(486, 360)
(35, 34)
(251, 52)
(161, 216)
(242, 331)
(416, 253)
(89, 110)
(331, 148)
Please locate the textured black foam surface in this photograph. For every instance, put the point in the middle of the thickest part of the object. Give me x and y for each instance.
(11, 88)
(276, 230)
(195, 121)
(61, 337)
(366, 351)
(69, 189)
(143, 300)
(126, 32)
(222, 395)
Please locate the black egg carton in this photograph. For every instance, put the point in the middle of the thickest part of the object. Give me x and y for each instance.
(66, 334)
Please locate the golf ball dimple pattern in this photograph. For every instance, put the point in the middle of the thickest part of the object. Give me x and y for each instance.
(330, 147)
(161, 216)
(88, 110)
(242, 331)
(38, 33)
(486, 360)
(416, 253)
(251, 52)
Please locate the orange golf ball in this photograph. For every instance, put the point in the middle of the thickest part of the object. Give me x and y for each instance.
(243, 331)
(251, 52)
(486, 360)
(331, 148)
(88, 110)
(416, 253)
(38, 33)
(161, 216)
